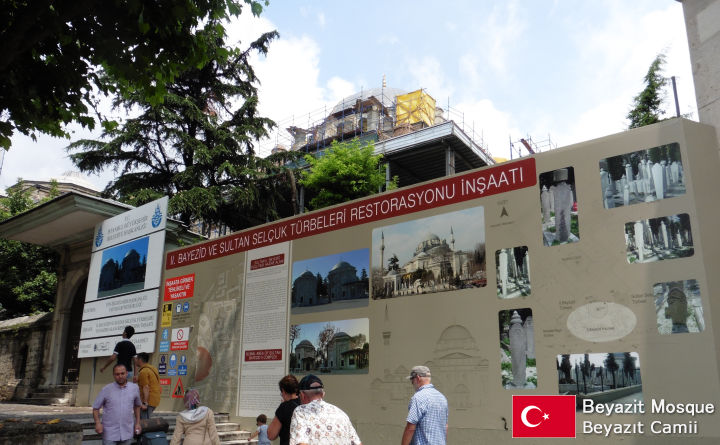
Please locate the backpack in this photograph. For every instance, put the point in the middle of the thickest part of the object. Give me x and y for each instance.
(154, 438)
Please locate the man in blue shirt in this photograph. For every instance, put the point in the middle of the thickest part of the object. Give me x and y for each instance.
(427, 411)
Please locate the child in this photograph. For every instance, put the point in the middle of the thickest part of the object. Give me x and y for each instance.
(261, 432)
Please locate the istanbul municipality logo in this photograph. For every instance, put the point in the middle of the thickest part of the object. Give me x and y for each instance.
(157, 217)
(99, 238)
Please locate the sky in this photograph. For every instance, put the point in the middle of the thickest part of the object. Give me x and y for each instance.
(118, 253)
(558, 70)
(359, 258)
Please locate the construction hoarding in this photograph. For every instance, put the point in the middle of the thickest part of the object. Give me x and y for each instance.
(586, 270)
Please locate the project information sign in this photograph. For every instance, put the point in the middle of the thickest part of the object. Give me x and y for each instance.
(124, 278)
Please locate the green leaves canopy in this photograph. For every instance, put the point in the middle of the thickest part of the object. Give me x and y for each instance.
(28, 280)
(345, 171)
(646, 105)
(56, 52)
(198, 145)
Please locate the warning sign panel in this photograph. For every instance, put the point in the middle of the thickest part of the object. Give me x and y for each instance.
(179, 390)
(166, 320)
(179, 287)
(179, 339)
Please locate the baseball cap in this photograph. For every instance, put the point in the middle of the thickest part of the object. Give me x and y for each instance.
(310, 381)
(422, 371)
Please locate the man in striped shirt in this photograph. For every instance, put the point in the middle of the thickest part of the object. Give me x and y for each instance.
(427, 412)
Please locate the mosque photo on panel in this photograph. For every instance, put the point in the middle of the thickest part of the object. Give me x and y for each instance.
(658, 239)
(596, 373)
(517, 349)
(337, 347)
(338, 281)
(558, 203)
(513, 272)
(678, 307)
(123, 268)
(435, 254)
(642, 176)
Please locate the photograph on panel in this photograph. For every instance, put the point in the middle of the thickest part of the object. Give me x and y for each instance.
(658, 239)
(679, 307)
(123, 268)
(558, 203)
(611, 377)
(642, 176)
(517, 349)
(338, 281)
(436, 254)
(513, 272)
(337, 347)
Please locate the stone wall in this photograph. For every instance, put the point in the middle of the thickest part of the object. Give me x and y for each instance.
(22, 345)
(702, 21)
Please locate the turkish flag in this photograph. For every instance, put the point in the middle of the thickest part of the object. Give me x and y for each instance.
(543, 416)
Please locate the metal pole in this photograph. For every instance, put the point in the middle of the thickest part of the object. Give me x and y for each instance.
(677, 106)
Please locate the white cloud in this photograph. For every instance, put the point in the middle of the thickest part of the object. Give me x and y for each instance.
(493, 126)
(321, 19)
(428, 73)
(614, 59)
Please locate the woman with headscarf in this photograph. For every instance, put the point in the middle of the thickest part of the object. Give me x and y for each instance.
(280, 426)
(196, 423)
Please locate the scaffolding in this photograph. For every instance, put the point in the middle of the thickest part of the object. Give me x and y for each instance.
(375, 114)
(530, 146)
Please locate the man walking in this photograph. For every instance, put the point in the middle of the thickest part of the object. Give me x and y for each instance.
(427, 412)
(148, 380)
(317, 422)
(120, 402)
(124, 352)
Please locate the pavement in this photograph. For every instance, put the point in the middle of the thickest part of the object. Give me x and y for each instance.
(21, 410)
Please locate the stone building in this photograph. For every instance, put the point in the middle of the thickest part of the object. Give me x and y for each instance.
(22, 346)
(66, 225)
(434, 264)
(343, 283)
(305, 290)
(306, 355)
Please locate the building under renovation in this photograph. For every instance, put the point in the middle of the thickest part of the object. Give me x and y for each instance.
(418, 139)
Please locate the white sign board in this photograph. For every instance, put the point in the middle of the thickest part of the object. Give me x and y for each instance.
(103, 347)
(103, 327)
(135, 223)
(124, 279)
(125, 304)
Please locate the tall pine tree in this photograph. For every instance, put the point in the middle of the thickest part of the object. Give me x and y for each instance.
(647, 104)
(198, 145)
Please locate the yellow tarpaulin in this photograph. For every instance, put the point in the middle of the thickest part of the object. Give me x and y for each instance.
(414, 107)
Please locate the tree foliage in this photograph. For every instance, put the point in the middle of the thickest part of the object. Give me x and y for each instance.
(28, 280)
(57, 56)
(325, 337)
(347, 170)
(647, 104)
(197, 146)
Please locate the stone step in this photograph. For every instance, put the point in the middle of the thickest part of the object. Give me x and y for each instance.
(46, 401)
(233, 435)
(230, 433)
(227, 426)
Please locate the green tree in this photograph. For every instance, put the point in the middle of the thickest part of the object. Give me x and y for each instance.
(612, 366)
(28, 281)
(197, 146)
(324, 338)
(647, 104)
(393, 263)
(345, 171)
(59, 57)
